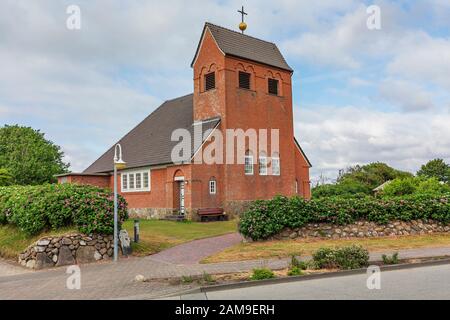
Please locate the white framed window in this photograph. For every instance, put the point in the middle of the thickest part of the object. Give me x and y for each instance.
(248, 163)
(131, 179)
(146, 179)
(262, 164)
(136, 181)
(124, 182)
(275, 165)
(296, 186)
(212, 187)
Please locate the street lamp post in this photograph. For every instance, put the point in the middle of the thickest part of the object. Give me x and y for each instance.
(118, 164)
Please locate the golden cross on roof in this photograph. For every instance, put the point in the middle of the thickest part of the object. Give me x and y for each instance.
(243, 25)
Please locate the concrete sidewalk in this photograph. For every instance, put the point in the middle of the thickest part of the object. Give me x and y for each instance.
(116, 280)
(9, 268)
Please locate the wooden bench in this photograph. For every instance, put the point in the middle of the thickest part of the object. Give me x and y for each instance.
(211, 214)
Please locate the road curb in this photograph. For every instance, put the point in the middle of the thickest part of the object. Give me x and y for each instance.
(325, 275)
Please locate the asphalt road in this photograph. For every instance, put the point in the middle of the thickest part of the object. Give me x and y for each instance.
(431, 282)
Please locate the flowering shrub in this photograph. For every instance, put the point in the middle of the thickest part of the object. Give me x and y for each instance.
(350, 257)
(268, 217)
(52, 206)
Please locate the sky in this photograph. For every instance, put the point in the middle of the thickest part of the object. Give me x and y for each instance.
(360, 95)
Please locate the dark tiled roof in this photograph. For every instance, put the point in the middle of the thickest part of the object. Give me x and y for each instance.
(149, 143)
(243, 46)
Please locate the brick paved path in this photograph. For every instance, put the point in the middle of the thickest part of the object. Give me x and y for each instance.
(193, 252)
(116, 280)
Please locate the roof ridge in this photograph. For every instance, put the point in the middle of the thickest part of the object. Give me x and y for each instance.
(239, 33)
(270, 54)
(186, 95)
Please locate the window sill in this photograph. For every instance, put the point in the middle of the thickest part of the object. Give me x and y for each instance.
(135, 192)
(209, 91)
(246, 90)
(274, 95)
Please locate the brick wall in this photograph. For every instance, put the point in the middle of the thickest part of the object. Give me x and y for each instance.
(99, 181)
(238, 109)
(245, 109)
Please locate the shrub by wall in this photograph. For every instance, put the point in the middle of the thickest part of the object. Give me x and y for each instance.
(37, 208)
(415, 185)
(351, 257)
(266, 218)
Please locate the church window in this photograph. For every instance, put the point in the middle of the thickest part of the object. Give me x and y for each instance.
(124, 182)
(210, 81)
(276, 164)
(136, 181)
(212, 186)
(146, 180)
(262, 164)
(248, 163)
(273, 86)
(131, 178)
(244, 80)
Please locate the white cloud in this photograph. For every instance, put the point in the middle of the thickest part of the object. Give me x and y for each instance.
(423, 58)
(398, 48)
(4, 111)
(409, 96)
(346, 42)
(87, 88)
(359, 82)
(330, 46)
(335, 138)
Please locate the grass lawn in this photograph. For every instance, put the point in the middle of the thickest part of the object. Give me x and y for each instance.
(285, 248)
(156, 235)
(13, 241)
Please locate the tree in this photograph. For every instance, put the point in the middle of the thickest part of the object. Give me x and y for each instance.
(6, 178)
(436, 168)
(372, 175)
(400, 187)
(29, 157)
(345, 188)
(416, 185)
(359, 180)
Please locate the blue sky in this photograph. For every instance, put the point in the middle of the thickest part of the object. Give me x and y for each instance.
(360, 95)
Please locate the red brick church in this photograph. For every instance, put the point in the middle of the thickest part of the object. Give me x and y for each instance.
(240, 82)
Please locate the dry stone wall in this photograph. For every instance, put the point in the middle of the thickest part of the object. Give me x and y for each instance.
(65, 250)
(363, 229)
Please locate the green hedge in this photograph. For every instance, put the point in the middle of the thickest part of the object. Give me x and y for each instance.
(266, 218)
(37, 208)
